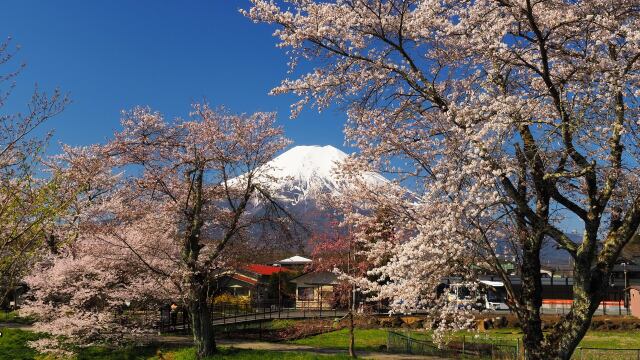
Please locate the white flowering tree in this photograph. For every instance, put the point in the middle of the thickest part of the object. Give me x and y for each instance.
(162, 210)
(509, 116)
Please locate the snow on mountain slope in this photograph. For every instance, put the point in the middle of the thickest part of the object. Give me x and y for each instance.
(303, 172)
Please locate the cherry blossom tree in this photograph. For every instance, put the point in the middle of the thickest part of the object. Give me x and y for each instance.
(507, 116)
(162, 207)
(79, 287)
(25, 205)
(336, 250)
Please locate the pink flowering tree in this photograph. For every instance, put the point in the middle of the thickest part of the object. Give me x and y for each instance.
(334, 249)
(507, 116)
(164, 207)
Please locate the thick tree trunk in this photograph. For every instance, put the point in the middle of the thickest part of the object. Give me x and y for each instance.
(531, 300)
(588, 289)
(561, 341)
(566, 334)
(203, 333)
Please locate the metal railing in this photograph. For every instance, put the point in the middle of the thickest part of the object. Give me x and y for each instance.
(466, 348)
(463, 348)
(231, 313)
(585, 353)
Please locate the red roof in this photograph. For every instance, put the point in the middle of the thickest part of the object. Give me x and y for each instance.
(265, 269)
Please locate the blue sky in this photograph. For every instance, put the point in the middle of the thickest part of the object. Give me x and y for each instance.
(113, 55)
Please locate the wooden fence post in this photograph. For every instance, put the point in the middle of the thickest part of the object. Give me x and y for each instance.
(389, 341)
(463, 345)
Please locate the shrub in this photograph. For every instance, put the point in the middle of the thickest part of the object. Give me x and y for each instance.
(282, 324)
(231, 299)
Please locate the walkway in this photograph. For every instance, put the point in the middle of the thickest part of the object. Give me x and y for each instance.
(264, 314)
(283, 314)
(272, 346)
(259, 345)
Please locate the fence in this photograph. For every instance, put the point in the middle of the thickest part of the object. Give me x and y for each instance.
(463, 348)
(177, 319)
(173, 320)
(605, 354)
(466, 348)
(561, 307)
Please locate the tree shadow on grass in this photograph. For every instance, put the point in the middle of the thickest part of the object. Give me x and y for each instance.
(129, 352)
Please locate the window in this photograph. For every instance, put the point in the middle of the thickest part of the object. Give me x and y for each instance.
(305, 293)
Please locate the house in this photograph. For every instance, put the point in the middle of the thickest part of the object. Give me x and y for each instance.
(251, 281)
(237, 283)
(315, 290)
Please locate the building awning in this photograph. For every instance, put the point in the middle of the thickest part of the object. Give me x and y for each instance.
(265, 269)
(244, 279)
(316, 279)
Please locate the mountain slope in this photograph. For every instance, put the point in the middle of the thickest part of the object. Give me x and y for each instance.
(305, 172)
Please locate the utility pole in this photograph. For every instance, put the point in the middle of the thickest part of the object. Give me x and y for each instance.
(626, 285)
(352, 350)
(279, 294)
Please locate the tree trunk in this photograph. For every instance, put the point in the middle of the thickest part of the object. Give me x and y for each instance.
(352, 340)
(203, 333)
(566, 334)
(559, 344)
(588, 290)
(531, 298)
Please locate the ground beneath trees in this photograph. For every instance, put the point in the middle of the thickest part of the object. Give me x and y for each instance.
(176, 340)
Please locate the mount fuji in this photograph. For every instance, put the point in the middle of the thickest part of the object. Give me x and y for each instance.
(299, 179)
(304, 173)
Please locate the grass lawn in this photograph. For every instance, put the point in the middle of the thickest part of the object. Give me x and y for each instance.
(373, 339)
(13, 346)
(156, 353)
(366, 339)
(14, 317)
(189, 354)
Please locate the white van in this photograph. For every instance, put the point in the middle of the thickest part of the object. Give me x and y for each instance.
(494, 295)
(490, 295)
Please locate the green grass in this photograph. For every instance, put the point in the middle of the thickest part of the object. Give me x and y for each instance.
(373, 339)
(366, 339)
(620, 339)
(13, 344)
(241, 354)
(14, 317)
(125, 353)
(189, 353)
(281, 324)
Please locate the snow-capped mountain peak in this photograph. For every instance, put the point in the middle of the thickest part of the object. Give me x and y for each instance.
(303, 172)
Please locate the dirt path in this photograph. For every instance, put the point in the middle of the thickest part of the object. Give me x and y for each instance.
(260, 345)
(272, 346)
(25, 327)
(183, 340)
